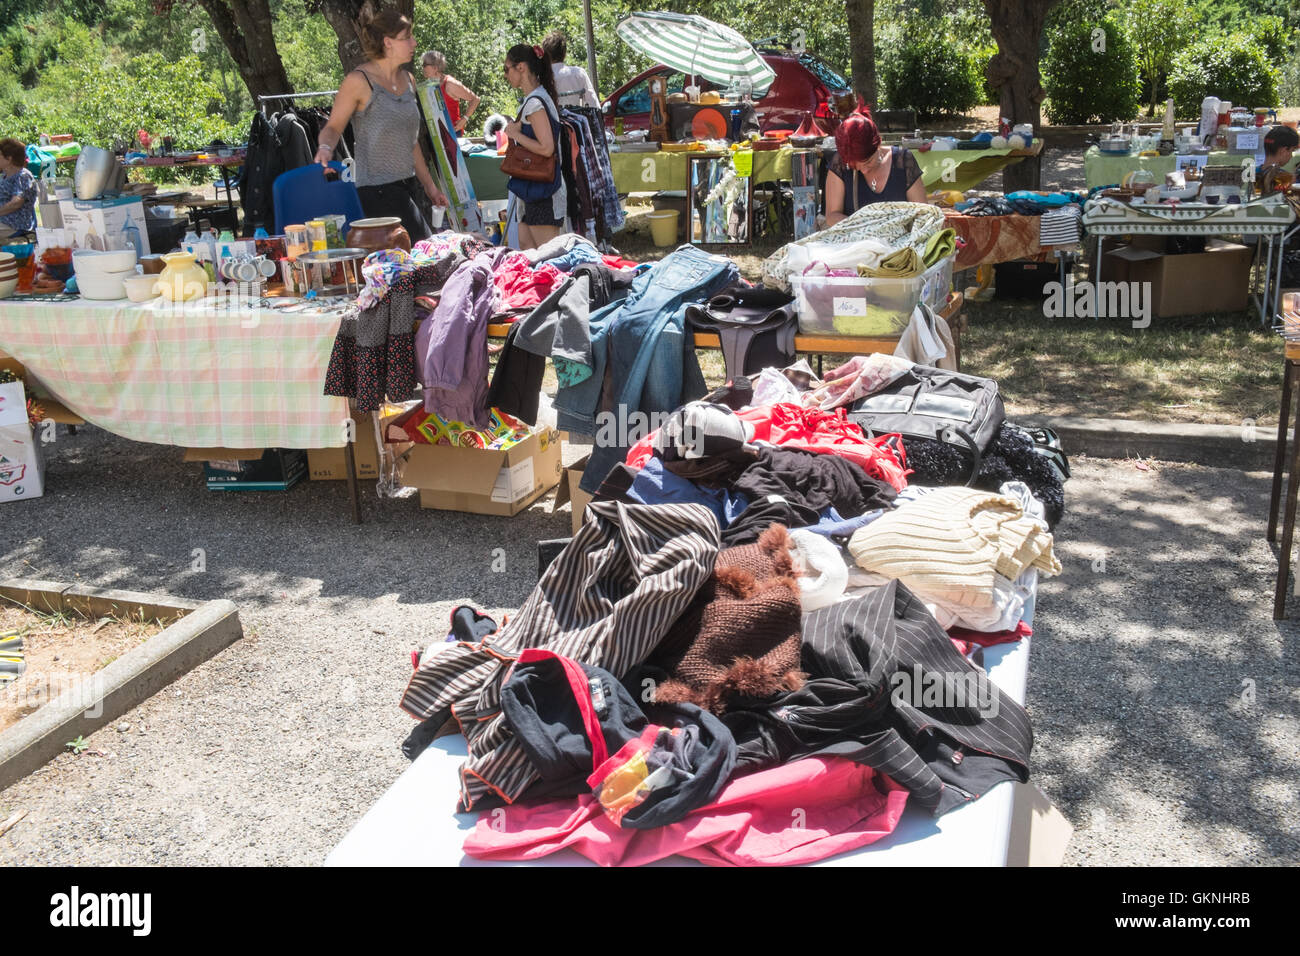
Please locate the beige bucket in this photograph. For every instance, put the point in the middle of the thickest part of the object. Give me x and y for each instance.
(663, 227)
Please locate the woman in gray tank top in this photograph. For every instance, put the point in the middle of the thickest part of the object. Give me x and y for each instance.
(379, 100)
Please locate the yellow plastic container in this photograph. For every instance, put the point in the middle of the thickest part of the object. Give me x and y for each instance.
(663, 227)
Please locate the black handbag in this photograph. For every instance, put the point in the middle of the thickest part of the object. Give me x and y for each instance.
(936, 404)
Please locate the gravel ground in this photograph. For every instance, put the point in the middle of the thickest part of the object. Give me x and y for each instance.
(270, 751)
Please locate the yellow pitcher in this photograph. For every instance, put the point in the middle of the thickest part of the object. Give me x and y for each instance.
(182, 278)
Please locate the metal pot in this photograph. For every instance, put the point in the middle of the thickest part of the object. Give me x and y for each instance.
(97, 170)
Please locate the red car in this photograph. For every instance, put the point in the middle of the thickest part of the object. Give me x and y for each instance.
(804, 83)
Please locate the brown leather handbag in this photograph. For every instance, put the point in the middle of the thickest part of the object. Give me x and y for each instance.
(522, 163)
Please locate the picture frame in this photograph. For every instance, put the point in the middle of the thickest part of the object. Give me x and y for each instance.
(719, 202)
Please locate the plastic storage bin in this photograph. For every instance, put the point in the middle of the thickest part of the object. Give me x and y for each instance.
(853, 305)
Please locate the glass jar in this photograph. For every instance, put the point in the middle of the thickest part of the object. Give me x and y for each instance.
(295, 241)
(316, 235)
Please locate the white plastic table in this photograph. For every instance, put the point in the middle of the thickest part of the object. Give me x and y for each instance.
(411, 824)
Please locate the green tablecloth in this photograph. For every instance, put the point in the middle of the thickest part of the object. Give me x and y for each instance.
(652, 172)
(1102, 170)
(965, 168)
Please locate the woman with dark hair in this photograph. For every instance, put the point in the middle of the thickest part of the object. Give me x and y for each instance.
(528, 69)
(17, 190)
(1280, 144)
(379, 99)
(866, 171)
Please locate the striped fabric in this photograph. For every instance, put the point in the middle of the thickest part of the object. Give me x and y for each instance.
(694, 45)
(606, 600)
(199, 375)
(869, 640)
(953, 543)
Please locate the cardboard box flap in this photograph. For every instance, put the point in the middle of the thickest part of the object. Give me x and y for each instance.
(572, 475)
(224, 454)
(466, 471)
(1133, 254)
(13, 404)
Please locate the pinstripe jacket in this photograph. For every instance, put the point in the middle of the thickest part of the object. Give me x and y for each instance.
(606, 600)
(887, 688)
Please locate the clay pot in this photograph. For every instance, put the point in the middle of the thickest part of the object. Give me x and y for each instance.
(382, 232)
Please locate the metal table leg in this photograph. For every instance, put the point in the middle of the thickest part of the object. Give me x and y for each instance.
(352, 483)
(1279, 457)
(1288, 529)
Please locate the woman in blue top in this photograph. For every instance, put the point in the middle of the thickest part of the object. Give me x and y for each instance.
(17, 191)
(528, 69)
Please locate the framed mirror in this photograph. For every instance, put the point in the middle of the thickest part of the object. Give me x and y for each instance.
(720, 202)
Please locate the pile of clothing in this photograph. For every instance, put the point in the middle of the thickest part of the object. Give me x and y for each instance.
(422, 318)
(759, 614)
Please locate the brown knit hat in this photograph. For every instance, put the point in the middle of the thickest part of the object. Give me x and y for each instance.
(740, 636)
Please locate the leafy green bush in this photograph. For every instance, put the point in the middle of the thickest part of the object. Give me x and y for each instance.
(1234, 68)
(1273, 36)
(1084, 85)
(923, 69)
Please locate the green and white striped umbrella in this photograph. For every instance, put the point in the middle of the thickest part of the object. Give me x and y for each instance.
(695, 45)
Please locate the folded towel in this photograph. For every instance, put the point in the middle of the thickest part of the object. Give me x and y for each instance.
(899, 264)
(939, 246)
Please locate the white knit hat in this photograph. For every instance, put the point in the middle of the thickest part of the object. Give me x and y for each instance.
(824, 574)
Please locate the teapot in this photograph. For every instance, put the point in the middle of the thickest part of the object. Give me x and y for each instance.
(182, 278)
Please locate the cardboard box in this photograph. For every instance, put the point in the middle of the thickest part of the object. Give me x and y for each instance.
(1039, 833)
(1216, 280)
(250, 469)
(569, 491)
(486, 482)
(104, 217)
(22, 465)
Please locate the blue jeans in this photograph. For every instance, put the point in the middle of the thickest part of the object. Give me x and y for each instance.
(649, 354)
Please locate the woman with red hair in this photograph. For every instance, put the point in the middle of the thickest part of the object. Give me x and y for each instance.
(867, 171)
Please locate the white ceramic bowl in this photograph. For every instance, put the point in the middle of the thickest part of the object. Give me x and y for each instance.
(103, 287)
(140, 288)
(92, 263)
(7, 287)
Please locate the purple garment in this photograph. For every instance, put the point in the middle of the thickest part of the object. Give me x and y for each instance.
(451, 345)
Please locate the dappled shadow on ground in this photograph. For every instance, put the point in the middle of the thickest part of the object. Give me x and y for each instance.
(1147, 651)
(134, 516)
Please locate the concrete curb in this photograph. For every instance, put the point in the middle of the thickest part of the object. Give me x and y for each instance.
(1218, 446)
(199, 631)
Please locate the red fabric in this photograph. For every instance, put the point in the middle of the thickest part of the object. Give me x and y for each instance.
(618, 262)
(519, 286)
(989, 638)
(799, 812)
(827, 433)
(453, 110)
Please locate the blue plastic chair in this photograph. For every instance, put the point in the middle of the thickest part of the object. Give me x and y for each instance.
(304, 193)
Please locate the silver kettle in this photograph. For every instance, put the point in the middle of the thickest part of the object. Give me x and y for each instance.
(97, 171)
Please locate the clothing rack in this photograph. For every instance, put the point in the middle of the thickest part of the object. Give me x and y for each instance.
(262, 100)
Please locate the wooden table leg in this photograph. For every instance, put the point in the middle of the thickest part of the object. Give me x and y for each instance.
(1288, 529)
(1279, 457)
(352, 483)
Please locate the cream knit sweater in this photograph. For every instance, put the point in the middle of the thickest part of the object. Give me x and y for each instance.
(953, 544)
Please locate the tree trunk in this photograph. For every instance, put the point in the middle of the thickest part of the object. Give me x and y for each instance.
(1017, 27)
(344, 16)
(861, 17)
(245, 28)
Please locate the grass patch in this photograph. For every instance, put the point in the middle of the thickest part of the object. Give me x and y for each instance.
(1209, 369)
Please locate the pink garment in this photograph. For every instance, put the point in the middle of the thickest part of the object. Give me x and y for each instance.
(518, 285)
(799, 812)
(826, 433)
(860, 376)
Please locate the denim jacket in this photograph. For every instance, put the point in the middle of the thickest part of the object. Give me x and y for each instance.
(650, 355)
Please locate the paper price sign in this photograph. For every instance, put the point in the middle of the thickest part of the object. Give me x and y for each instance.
(743, 162)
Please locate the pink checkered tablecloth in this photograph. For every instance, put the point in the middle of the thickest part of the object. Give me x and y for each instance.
(206, 374)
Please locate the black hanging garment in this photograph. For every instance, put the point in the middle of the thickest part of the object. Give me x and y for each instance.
(755, 325)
